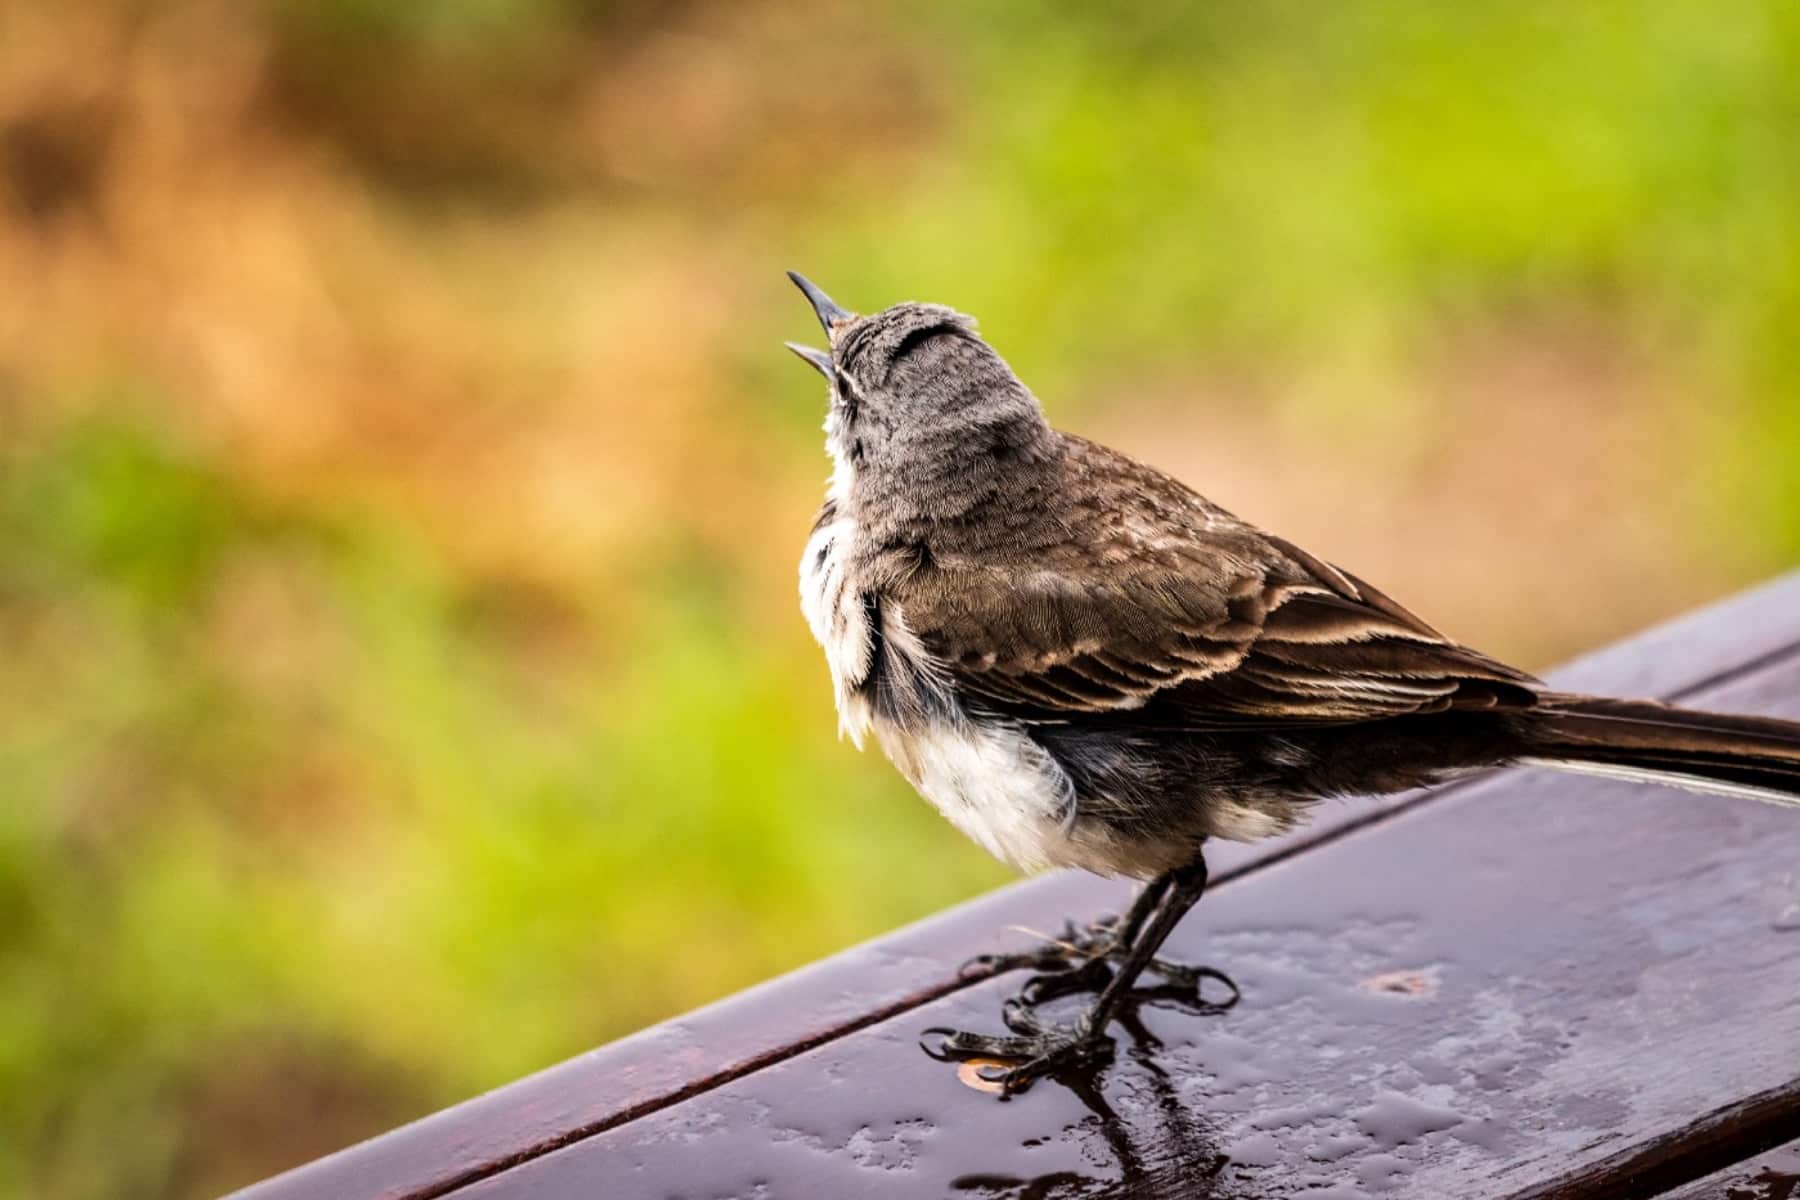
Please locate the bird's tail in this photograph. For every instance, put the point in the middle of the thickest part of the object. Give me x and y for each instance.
(1757, 757)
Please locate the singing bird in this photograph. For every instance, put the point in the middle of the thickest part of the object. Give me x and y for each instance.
(1081, 662)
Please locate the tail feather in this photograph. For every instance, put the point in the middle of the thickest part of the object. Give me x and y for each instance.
(1757, 757)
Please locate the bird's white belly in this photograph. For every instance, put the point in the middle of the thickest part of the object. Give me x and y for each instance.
(988, 777)
(992, 782)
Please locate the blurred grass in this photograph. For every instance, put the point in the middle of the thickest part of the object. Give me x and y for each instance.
(400, 479)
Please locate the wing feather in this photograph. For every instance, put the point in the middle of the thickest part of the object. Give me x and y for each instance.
(1126, 592)
(1286, 642)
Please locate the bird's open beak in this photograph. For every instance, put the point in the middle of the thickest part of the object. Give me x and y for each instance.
(820, 360)
(830, 315)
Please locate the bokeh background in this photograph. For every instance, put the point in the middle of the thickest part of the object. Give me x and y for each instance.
(401, 679)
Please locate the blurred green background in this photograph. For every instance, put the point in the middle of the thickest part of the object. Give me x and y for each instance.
(401, 679)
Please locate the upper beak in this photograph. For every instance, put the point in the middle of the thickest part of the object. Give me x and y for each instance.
(829, 313)
(820, 360)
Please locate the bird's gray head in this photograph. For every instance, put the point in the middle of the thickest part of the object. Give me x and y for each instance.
(915, 391)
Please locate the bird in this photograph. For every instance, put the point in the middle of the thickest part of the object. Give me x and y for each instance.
(1083, 663)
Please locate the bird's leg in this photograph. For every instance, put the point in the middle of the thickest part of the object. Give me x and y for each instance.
(1081, 959)
(1076, 961)
(1047, 1047)
(1121, 934)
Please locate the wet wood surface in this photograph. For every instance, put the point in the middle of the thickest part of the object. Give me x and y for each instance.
(1528, 985)
(1771, 1176)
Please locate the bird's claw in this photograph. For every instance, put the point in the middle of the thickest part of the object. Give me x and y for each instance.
(1076, 944)
(1077, 961)
(1189, 979)
(1091, 975)
(1037, 1048)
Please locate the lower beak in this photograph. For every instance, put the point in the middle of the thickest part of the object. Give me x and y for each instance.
(820, 360)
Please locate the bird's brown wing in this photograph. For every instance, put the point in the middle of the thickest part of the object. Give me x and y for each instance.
(1259, 634)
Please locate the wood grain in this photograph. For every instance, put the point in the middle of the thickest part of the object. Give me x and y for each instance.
(1771, 1176)
(674, 1066)
(1604, 993)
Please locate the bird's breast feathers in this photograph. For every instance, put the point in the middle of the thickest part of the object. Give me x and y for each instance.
(838, 617)
(986, 775)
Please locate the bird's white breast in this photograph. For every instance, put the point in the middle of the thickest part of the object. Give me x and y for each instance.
(992, 782)
(987, 776)
(839, 620)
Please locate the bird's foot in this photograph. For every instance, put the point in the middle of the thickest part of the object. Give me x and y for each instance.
(1076, 948)
(1077, 961)
(1035, 1048)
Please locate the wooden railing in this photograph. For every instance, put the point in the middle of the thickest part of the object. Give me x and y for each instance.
(1526, 985)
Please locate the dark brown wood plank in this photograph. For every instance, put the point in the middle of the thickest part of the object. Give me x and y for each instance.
(825, 1000)
(1771, 1176)
(1598, 987)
